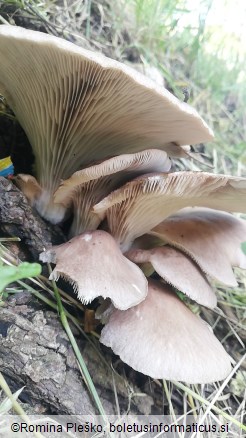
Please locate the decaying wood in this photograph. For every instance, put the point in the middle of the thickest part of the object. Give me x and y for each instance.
(18, 219)
(35, 352)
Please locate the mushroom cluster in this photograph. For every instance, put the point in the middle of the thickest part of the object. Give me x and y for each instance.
(103, 137)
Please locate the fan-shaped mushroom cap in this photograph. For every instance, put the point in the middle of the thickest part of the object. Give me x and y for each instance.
(178, 270)
(212, 238)
(88, 186)
(140, 205)
(149, 160)
(94, 265)
(162, 338)
(75, 105)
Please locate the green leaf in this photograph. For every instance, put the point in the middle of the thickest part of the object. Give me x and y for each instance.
(243, 246)
(9, 274)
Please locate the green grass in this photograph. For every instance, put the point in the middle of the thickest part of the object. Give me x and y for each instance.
(189, 57)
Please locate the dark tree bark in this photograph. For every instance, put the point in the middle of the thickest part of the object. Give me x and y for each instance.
(17, 218)
(35, 352)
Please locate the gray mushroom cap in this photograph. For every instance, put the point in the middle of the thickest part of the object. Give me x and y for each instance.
(163, 339)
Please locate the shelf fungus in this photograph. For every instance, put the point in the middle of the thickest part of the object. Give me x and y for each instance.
(102, 138)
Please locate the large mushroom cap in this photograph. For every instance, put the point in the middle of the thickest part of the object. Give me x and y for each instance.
(75, 105)
(162, 338)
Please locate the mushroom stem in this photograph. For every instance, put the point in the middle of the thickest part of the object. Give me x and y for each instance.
(47, 208)
(40, 198)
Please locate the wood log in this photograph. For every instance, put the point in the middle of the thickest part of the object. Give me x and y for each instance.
(19, 219)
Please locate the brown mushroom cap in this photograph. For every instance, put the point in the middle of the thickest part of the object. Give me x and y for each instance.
(75, 105)
(178, 270)
(212, 238)
(140, 205)
(95, 266)
(88, 186)
(162, 338)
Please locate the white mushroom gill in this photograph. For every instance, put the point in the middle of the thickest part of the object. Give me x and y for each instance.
(87, 187)
(143, 203)
(75, 105)
(161, 318)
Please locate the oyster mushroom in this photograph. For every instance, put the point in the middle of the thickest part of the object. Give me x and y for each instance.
(162, 338)
(211, 238)
(143, 203)
(87, 187)
(77, 106)
(178, 270)
(95, 266)
(132, 211)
